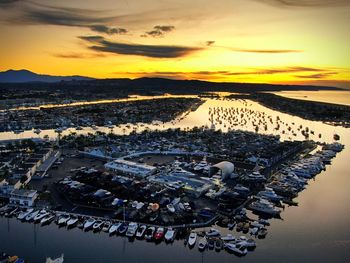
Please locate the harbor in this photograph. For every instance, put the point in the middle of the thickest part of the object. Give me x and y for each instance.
(231, 226)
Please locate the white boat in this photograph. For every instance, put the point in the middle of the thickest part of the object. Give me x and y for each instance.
(239, 249)
(63, 219)
(192, 239)
(89, 223)
(264, 206)
(212, 232)
(31, 216)
(24, 214)
(255, 177)
(72, 221)
(106, 226)
(47, 219)
(248, 243)
(254, 231)
(97, 226)
(43, 213)
(56, 260)
(114, 228)
(169, 235)
(171, 208)
(132, 227)
(141, 231)
(228, 237)
(202, 243)
(269, 194)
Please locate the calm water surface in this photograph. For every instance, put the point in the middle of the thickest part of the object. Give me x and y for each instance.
(315, 231)
(331, 96)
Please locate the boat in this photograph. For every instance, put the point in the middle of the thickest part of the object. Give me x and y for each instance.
(106, 226)
(248, 243)
(202, 243)
(192, 239)
(89, 223)
(24, 214)
(11, 212)
(63, 219)
(264, 222)
(239, 249)
(170, 235)
(114, 228)
(47, 219)
(265, 207)
(31, 216)
(132, 228)
(219, 244)
(72, 221)
(56, 260)
(255, 177)
(269, 194)
(158, 235)
(212, 232)
(228, 237)
(254, 231)
(262, 233)
(171, 208)
(211, 243)
(141, 231)
(122, 228)
(43, 213)
(97, 226)
(149, 233)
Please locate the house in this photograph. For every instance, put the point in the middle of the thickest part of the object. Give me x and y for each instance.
(23, 197)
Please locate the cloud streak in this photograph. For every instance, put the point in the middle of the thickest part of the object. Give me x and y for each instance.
(100, 44)
(32, 13)
(305, 3)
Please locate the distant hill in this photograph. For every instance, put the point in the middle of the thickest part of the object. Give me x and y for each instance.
(21, 76)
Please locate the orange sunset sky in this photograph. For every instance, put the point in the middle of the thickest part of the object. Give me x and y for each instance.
(270, 41)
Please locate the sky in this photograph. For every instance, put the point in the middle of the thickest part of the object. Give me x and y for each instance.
(260, 41)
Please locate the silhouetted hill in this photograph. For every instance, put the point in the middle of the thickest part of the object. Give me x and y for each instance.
(20, 76)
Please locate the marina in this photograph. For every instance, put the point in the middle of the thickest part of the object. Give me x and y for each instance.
(231, 240)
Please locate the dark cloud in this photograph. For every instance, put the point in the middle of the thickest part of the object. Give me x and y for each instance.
(158, 31)
(297, 69)
(74, 55)
(32, 13)
(316, 76)
(305, 3)
(108, 30)
(100, 44)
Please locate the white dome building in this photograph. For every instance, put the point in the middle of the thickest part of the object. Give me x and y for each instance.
(225, 168)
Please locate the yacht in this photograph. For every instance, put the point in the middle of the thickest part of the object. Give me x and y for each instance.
(141, 231)
(212, 232)
(255, 177)
(241, 189)
(192, 239)
(158, 235)
(150, 232)
(170, 235)
(97, 226)
(202, 243)
(239, 249)
(123, 228)
(41, 215)
(264, 206)
(89, 223)
(106, 226)
(72, 221)
(31, 216)
(269, 194)
(47, 219)
(132, 228)
(63, 219)
(24, 214)
(228, 237)
(114, 228)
